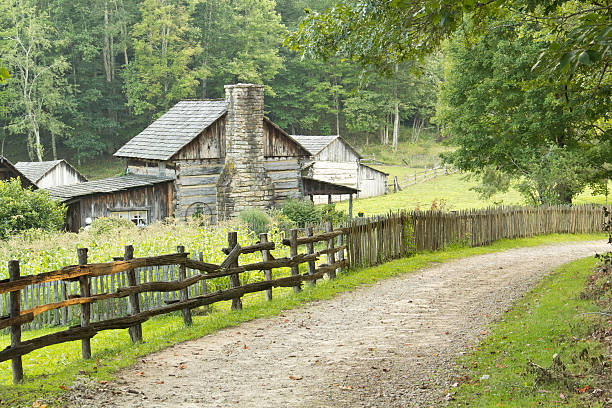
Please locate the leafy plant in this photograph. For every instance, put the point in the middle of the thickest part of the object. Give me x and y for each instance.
(22, 209)
(301, 212)
(257, 220)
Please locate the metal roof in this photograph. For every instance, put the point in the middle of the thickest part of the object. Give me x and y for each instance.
(314, 144)
(34, 171)
(104, 186)
(163, 138)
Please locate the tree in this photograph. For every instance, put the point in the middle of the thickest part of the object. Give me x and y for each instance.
(165, 46)
(240, 40)
(22, 209)
(41, 90)
(510, 125)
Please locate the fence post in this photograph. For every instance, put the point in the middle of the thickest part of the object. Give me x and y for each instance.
(293, 251)
(134, 299)
(204, 283)
(341, 253)
(14, 311)
(331, 257)
(310, 251)
(232, 241)
(85, 307)
(265, 254)
(415, 177)
(183, 294)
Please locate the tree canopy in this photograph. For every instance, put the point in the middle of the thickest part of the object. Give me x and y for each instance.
(87, 76)
(526, 93)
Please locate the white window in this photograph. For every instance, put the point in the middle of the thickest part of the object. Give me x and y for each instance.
(138, 217)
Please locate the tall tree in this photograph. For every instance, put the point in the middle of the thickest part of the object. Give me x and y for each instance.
(165, 47)
(41, 91)
(240, 40)
(507, 123)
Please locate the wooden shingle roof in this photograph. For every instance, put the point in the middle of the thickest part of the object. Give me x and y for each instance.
(103, 186)
(314, 144)
(163, 138)
(35, 171)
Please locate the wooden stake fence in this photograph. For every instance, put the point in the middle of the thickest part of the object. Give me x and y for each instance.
(125, 293)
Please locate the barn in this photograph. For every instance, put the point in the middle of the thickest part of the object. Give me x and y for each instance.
(53, 173)
(9, 171)
(139, 198)
(334, 160)
(225, 155)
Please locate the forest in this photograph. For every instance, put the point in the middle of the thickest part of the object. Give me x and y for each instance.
(87, 76)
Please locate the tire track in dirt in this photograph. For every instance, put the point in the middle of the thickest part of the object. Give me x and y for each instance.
(392, 344)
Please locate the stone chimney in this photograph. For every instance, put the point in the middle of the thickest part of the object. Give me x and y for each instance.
(244, 183)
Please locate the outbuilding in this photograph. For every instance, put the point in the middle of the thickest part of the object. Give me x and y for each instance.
(334, 160)
(139, 198)
(53, 173)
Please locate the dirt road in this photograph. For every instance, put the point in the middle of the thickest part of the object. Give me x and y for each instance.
(389, 345)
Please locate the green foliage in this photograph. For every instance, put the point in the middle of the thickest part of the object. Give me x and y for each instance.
(302, 212)
(330, 213)
(257, 220)
(506, 120)
(22, 209)
(108, 225)
(165, 48)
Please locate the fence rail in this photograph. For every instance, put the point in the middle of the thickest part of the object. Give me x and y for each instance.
(409, 179)
(128, 291)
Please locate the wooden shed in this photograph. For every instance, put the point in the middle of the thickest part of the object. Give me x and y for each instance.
(53, 173)
(334, 160)
(225, 155)
(139, 198)
(9, 171)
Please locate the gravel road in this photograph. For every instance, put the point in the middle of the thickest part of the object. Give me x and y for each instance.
(392, 344)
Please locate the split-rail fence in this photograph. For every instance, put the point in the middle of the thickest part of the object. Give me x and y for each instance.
(126, 292)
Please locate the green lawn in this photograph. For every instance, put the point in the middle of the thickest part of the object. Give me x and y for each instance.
(101, 167)
(549, 320)
(453, 191)
(418, 154)
(49, 369)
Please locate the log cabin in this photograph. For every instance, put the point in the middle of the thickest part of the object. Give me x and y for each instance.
(215, 158)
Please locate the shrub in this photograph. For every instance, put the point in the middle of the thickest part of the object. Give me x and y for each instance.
(301, 212)
(329, 213)
(257, 220)
(281, 221)
(22, 209)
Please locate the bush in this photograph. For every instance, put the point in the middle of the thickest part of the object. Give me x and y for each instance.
(22, 209)
(281, 221)
(329, 213)
(257, 220)
(301, 212)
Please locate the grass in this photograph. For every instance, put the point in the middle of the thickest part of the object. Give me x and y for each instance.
(49, 369)
(101, 167)
(546, 321)
(419, 154)
(453, 191)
